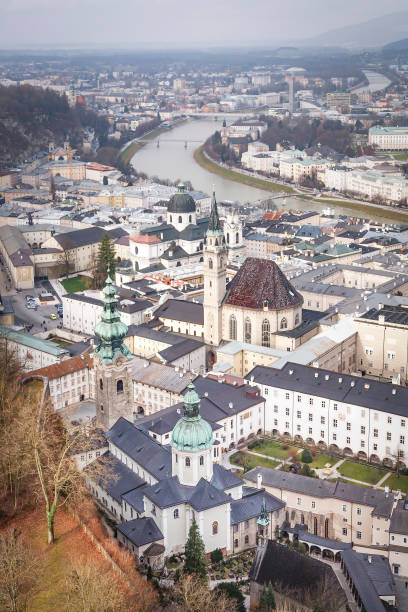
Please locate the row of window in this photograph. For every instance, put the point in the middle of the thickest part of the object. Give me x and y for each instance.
(266, 329)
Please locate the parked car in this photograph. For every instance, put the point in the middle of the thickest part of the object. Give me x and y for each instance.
(53, 316)
(32, 306)
(29, 297)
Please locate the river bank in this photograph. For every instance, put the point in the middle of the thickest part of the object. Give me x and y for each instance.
(133, 146)
(234, 175)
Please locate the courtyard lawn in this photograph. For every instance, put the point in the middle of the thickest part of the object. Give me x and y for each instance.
(396, 483)
(272, 449)
(248, 461)
(320, 461)
(76, 283)
(365, 473)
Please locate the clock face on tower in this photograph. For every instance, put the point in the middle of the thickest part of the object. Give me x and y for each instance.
(118, 362)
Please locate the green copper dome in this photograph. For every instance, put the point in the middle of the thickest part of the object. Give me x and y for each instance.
(191, 432)
(181, 202)
(110, 330)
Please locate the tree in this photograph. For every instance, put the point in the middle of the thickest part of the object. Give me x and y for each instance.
(64, 261)
(58, 480)
(88, 589)
(306, 456)
(193, 595)
(216, 555)
(307, 471)
(195, 562)
(233, 591)
(267, 599)
(19, 570)
(105, 261)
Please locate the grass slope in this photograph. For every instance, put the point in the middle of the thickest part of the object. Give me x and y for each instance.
(76, 283)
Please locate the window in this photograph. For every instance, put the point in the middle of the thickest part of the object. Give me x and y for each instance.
(375, 447)
(237, 238)
(363, 429)
(287, 396)
(287, 411)
(176, 513)
(322, 434)
(201, 460)
(310, 401)
(297, 319)
(402, 422)
(119, 386)
(235, 543)
(246, 539)
(233, 327)
(344, 531)
(246, 524)
(101, 384)
(402, 439)
(180, 219)
(248, 330)
(334, 436)
(299, 501)
(388, 435)
(344, 508)
(299, 414)
(358, 535)
(210, 264)
(322, 420)
(310, 416)
(375, 433)
(215, 528)
(348, 440)
(310, 431)
(389, 420)
(359, 511)
(187, 461)
(235, 528)
(284, 323)
(348, 426)
(334, 422)
(334, 406)
(265, 333)
(362, 443)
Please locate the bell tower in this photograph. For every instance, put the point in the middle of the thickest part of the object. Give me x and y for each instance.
(215, 277)
(112, 364)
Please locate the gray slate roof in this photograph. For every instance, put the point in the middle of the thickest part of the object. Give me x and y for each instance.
(370, 579)
(181, 310)
(353, 390)
(141, 531)
(380, 501)
(250, 506)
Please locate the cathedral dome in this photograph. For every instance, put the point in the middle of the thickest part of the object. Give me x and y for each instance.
(191, 432)
(181, 202)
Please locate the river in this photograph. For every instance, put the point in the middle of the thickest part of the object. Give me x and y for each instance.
(172, 160)
(376, 82)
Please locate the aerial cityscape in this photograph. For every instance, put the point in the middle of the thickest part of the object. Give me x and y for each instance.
(204, 307)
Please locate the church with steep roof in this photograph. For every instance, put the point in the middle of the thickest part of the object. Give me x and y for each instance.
(256, 304)
(179, 240)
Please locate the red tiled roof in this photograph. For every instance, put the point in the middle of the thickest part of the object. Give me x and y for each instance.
(258, 280)
(75, 364)
(145, 239)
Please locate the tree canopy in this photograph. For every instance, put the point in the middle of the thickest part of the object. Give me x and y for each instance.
(195, 562)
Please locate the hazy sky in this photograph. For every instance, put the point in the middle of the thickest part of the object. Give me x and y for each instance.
(179, 22)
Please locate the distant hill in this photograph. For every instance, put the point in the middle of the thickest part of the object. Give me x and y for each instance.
(32, 117)
(372, 33)
(400, 46)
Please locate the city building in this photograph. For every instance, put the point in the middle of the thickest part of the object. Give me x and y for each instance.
(388, 138)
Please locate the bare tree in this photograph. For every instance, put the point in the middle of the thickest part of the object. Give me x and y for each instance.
(90, 589)
(65, 261)
(19, 571)
(58, 479)
(194, 595)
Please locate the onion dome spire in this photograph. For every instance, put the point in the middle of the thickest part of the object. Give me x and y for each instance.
(110, 330)
(191, 432)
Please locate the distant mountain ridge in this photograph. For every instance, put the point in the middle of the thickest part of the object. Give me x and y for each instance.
(375, 32)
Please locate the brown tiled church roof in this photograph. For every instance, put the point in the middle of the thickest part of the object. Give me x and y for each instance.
(258, 280)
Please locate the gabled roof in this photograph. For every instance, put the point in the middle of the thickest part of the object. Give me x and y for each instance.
(140, 531)
(250, 506)
(68, 366)
(261, 280)
(181, 310)
(139, 446)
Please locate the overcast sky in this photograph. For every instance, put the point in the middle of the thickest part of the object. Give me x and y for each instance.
(183, 23)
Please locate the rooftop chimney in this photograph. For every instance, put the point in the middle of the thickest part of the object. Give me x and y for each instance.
(259, 481)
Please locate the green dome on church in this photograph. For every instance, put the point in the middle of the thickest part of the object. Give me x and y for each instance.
(191, 432)
(110, 330)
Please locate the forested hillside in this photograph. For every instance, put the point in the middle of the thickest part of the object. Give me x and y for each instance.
(31, 117)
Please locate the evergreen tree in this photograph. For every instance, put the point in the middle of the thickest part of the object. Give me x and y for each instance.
(195, 562)
(306, 456)
(105, 262)
(233, 591)
(267, 599)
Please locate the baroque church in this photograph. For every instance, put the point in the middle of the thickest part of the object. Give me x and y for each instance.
(158, 490)
(256, 304)
(179, 240)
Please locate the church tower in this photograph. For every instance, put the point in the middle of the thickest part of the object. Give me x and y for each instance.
(191, 442)
(112, 364)
(215, 275)
(233, 236)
